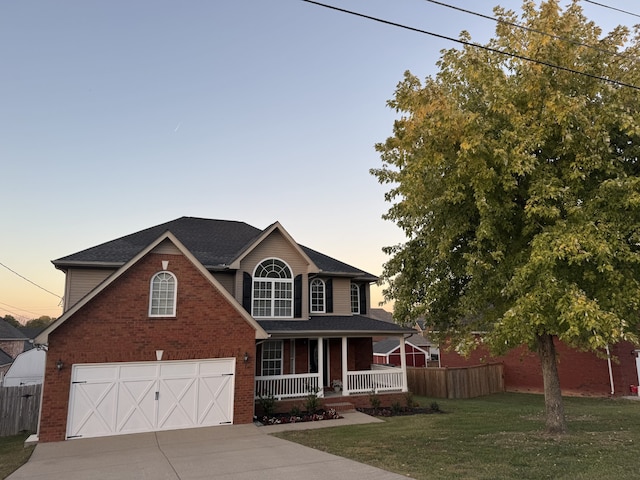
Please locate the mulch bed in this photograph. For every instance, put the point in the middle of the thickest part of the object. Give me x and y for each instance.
(280, 418)
(397, 412)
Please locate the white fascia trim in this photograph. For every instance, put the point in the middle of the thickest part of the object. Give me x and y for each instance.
(268, 231)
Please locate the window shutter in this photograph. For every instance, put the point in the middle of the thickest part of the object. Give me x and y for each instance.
(246, 291)
(363, 299)
(297, 296)
(328, 295)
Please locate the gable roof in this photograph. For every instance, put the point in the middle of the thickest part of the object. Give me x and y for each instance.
(388, 345)
(5, 358)
(216, 244)
(260, 333)
(9, 332)
(265, 233)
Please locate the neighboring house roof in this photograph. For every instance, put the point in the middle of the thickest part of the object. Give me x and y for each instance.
(5, 358)
(388, 345)
(43, 337)
(332, 325)
(216, 244)
(417, 340)
(9, 332)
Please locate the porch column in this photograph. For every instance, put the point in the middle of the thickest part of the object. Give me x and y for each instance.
(403, 364)
(320, 391)
(345, 368)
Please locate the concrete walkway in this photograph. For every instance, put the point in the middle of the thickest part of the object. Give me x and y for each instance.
(239, 452)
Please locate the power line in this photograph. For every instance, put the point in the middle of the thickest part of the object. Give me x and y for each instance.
(612, 8)
(22, 309)
(32, 283)
(528, 29)
(475, 45)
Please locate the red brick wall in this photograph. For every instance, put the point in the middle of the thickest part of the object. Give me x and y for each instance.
(115, 327)
(581, 373)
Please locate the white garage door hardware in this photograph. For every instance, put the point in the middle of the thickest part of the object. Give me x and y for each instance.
(119, 398)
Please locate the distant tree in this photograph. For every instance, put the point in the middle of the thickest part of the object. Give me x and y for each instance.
(517, 185)
(40, 322)
(11, 321)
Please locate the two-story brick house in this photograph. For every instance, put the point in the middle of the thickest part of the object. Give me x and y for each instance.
(186, 323)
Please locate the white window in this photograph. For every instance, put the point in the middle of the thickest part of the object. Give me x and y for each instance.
(162, 300)
(272, 290)
(317, 296)
(355, 298)
(272, 358)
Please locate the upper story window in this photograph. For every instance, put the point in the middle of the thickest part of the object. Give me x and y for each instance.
(272, 290)
(317, 296)
(162, 301)
(355, 298)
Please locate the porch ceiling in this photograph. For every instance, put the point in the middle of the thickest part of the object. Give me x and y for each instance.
(333, 325)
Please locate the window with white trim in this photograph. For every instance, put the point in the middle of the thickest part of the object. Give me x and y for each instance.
(355, 298)
(162, 300)
(317, 296)
(271, 358)
(272, 290)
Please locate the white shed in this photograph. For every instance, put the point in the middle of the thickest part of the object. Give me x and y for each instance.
(26, 369)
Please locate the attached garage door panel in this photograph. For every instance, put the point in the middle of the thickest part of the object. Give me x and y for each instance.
(112, 399)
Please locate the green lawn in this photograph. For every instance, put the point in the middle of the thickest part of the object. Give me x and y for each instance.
(496, 437)
(13, 453)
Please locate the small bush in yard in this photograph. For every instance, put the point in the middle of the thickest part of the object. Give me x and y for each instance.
(434, 406)
(312, 403)
(268, 404)
(408, 397)
(374, 400)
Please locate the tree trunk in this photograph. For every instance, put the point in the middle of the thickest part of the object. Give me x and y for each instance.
(556, 423)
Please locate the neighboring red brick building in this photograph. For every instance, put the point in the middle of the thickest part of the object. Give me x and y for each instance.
(581, 373)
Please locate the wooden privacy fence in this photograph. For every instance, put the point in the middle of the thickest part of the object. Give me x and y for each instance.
(19, 408)
(456, 382)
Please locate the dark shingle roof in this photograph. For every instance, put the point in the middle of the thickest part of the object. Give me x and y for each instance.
(335, 324)
(5, 358)
(9, 332)
(215, 243)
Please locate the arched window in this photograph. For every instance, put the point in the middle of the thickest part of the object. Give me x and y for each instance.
(272, 290)
(162, 301)
(355, 298)
(317, 296)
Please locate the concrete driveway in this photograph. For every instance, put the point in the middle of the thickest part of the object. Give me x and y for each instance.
(240, 452)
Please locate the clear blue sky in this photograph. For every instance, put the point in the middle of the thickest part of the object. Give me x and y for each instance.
(119, 115)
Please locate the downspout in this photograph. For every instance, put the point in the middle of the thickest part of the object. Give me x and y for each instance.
(613, 390)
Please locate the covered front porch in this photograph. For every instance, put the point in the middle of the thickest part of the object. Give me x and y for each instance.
(290, 368)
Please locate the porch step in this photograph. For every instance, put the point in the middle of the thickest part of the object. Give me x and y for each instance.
(341, 406)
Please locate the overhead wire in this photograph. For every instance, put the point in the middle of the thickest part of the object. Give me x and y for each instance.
(31, 282)
(612, 8)
(528, 29)
(475, 45)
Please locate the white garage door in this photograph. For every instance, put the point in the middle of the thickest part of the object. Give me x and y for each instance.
(119, 398)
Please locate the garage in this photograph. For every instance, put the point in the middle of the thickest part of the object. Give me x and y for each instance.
(121, 398)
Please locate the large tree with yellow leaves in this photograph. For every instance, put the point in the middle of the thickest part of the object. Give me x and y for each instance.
(515, 175)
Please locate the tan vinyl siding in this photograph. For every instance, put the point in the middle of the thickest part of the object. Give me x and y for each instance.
(168, 248)
(80, 281)
(276, 246)
(341, 296)
(227, 280)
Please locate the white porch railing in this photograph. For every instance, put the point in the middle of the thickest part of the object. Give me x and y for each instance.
(288, 386)
(379, 380)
